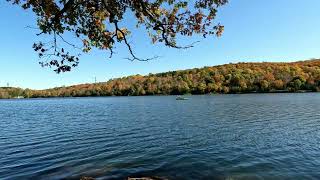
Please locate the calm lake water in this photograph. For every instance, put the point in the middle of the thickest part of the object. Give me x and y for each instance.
(252, 136)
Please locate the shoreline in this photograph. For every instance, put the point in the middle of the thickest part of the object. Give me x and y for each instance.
(208, 94)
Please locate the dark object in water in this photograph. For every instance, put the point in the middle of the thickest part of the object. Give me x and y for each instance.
(181, 98)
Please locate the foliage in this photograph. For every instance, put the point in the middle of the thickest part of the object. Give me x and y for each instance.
(97, 24)
(229, 78)
(8, 92)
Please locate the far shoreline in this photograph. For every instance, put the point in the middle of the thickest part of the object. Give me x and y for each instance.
(209, 94)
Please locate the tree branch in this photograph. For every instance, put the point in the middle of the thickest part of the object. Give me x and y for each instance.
(134, 57)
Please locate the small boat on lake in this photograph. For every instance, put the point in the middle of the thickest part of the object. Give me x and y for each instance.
(181, 98)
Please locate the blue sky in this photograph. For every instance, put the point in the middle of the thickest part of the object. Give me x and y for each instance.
(273, 30)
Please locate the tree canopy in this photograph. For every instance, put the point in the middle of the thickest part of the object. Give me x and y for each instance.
(229, 78)
(97, 24)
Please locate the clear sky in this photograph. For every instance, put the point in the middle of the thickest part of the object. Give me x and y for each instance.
(273, 30)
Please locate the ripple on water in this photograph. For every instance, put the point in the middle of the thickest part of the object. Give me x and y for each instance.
(256, 136)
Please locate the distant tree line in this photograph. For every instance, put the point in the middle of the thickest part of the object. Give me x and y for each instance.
(229, 78)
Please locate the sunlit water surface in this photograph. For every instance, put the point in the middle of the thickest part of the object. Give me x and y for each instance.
(253, 136)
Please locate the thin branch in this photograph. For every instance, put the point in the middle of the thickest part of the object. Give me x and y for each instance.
(134, 57)
(70, 44)
(138, 59)
(30, 27)
(55, 41)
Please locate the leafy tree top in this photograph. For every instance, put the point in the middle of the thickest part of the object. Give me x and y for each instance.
(96, 23)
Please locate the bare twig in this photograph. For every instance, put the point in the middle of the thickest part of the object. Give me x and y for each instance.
(134, 57)
(70, 44)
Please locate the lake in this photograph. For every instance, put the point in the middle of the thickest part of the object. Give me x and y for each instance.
(249, 136)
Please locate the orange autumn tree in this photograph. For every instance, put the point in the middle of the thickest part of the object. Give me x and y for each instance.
(97, 24)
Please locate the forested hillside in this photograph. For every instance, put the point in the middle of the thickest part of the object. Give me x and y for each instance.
(229, 78)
